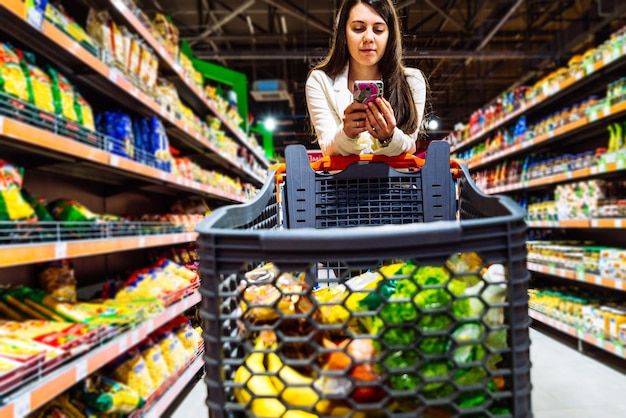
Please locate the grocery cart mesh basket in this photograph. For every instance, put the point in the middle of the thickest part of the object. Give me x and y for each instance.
(416, 318)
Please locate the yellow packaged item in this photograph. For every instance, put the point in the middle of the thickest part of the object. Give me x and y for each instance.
(134, 56)
(57, 279)
(131, 370)
(64, 96)
(153, 357)
(41, 86)
(106, 396)
(98, 28)
(84, 112)
(12, 78)
(173, 351)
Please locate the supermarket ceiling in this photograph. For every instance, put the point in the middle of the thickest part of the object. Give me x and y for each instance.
(471, 51)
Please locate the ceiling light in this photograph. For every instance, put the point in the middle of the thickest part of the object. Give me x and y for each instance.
(433, 124)
(270, 124)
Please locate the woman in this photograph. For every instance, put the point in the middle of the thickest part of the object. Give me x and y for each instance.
(367, 45)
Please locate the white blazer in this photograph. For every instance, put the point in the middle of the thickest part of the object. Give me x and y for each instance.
(327, 99)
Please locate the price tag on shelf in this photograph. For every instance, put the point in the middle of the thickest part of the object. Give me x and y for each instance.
(35, 13)
(142, 242)
(620, 162)
(115, 160)
(619, 223)
(81, 370)
(552, 270)
(21, 406)
(593, 115)
(602, 167)
(150, 325)
(1, 124)
(581, 275)
(619, 284)
(618, 349)
(60, 250)
(579, 333)
(597, 280)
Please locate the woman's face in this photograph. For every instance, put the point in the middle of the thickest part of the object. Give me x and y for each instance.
(366, 34)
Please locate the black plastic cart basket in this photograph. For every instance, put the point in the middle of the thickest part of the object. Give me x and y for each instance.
(355, 289)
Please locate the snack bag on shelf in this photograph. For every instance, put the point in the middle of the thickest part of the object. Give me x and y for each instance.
(173, 351)
(118, 43)
(131, 370)
(177, 269)
(119, 127)
(67, 210)
(38, 205)
(57, 279)
(61, 20)
(64, 95)
(153, 357)
(98, 28)
(12, 78)
(103, 395)
(188, 335)
(13, 207)
(134, 57)
(40, 85)
(168, 32)
(160, 144)
(84, 112)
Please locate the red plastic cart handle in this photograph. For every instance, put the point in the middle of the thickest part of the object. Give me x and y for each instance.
(405, 161)
(339, 163)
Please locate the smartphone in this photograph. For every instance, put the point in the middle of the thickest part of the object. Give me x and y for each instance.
(366, 91)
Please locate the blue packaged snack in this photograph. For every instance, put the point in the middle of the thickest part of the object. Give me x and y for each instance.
(118, 126)
(160, 145)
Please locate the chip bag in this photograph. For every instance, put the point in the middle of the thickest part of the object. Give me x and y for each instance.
(13, 81)
(40, 83)
(155, 362)
(106, 396)
(57, 279)
(64, 95)
(13, 207)
(131, 370)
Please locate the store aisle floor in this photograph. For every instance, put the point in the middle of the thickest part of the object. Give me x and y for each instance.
(566, 384)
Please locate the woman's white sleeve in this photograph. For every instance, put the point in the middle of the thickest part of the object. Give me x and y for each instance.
(328, 126)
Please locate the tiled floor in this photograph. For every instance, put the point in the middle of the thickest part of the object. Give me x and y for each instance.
(566, 384)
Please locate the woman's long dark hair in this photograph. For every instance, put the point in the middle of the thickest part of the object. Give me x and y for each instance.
(397, 90)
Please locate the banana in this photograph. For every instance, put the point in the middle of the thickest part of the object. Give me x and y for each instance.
(260, 392)
(295, 388)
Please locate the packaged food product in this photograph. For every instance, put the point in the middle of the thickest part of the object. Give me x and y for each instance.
(106, 396)
(172, 349)
(12, 78)
(39, 206)
(188, 336)
(39, 83)
(131, 370)
(155, 362)
(57, 279)
(13, 207)
(84, 112)
(70, 210)
(64, 95)
(98, 28)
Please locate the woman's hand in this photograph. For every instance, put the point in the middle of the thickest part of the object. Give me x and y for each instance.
(354, 120)
(380, 120)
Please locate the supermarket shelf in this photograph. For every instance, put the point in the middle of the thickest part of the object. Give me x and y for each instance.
(605, 113)
(616, 349)
(28, 135)
(15, 255)
(72, 58)
(578, 275)
(593, 73)
(159, 408)
(37, 393)
(192, 93)
(608, 223)
(606, 168)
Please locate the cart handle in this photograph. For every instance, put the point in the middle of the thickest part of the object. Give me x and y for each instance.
(339, 163)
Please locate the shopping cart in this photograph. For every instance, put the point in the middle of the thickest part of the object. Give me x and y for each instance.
(351, 288)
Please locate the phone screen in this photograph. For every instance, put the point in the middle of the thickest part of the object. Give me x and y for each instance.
(366, 91)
